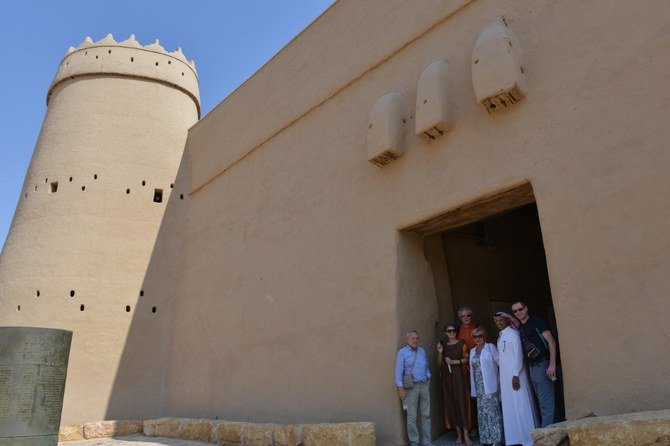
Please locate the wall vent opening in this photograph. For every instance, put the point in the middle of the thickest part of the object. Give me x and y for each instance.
(54, 187)
(154, 309)
(81, 307)
(181, 196)
(144, 183)
(384, 158)
(71, 293)
(158, 195)
(127, 308)
(37, 293)
(127, 191)
(141, 293)
(18, 308)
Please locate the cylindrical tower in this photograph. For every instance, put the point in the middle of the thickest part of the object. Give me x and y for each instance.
(92, 204)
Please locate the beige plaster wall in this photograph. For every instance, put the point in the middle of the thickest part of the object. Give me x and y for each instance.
(298, 284)
(139, 385)
(436, 257)
(108, 134)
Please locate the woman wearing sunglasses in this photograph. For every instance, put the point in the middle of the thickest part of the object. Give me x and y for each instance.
(484, 387)
(452, 358)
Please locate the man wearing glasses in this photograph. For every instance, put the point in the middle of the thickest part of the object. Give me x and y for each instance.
(540, 349)
(466, 327)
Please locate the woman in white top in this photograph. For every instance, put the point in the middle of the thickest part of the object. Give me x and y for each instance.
(484, 387)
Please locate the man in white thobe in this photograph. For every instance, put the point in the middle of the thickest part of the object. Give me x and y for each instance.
(519, 417)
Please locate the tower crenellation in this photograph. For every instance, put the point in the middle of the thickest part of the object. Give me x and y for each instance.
(128, 58)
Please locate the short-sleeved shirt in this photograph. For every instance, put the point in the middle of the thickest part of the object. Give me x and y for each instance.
(532, 330)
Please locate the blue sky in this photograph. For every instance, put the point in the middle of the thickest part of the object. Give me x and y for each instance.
(229, 41)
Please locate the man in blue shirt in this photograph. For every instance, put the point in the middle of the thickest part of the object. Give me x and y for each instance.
(412, 360)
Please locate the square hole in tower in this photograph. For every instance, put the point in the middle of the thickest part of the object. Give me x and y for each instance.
(54, 186)
(158, 195)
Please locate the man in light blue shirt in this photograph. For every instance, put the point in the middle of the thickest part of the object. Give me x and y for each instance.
(411, 359)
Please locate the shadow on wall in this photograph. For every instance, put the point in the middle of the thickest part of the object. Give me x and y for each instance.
(417, 310)
(140, 383)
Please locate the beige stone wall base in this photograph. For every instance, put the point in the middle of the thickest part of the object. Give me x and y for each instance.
(360, 434)
(230, 433)
(164, 427)
(641, 428)
(71, 432)
(201, 430)
(112, 428)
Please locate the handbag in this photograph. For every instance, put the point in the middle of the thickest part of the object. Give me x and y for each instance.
(407, 380)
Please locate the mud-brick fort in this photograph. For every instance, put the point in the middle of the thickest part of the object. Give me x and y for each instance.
(394, 161)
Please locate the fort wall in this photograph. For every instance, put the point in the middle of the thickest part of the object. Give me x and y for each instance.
(304, 278)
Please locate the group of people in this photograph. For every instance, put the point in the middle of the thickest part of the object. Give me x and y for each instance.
(497, 376)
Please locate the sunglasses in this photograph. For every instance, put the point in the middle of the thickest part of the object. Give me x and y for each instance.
(478, 336)
(451, 330)
(465, 315)
(518, 310)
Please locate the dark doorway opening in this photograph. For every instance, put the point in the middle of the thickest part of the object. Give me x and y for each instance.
(492, 263)
(496, 261)
(486, 254)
